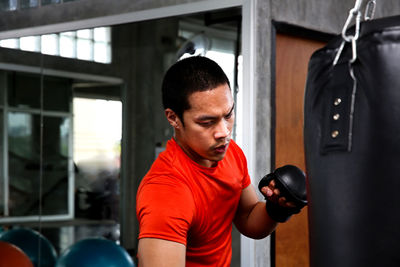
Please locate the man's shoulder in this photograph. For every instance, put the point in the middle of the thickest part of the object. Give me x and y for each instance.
(166, 172)
(161, 176)
(235, 150)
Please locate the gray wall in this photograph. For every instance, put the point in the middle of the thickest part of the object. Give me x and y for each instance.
(326, 16)
(140, 59)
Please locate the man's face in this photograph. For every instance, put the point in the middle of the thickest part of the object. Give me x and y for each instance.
(208, 124)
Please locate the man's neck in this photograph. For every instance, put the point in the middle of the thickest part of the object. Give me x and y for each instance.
(194, 156)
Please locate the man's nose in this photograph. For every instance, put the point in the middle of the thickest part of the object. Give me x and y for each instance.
(222, 130)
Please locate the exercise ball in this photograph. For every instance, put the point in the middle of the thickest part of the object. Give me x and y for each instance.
(11, 255)
(28, 241)
(95, 252)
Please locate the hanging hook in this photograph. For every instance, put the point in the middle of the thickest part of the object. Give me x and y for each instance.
(357, 5)
(354, 14)
(370, 10)
(354, 50)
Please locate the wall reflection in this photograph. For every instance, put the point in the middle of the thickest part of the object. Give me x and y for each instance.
(81, 123)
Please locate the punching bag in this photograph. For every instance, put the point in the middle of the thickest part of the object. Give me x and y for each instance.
(352, 146)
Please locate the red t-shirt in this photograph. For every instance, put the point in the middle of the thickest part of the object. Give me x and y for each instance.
(181, 201)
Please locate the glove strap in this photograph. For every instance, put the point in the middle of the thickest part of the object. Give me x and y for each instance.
(279, 213)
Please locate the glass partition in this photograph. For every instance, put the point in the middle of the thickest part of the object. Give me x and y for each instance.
(68, 171)
(26, 189)
(2, 180)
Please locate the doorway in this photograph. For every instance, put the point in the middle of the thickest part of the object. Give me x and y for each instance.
(292, 56)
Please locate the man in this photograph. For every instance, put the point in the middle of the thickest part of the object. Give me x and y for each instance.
(199, 185)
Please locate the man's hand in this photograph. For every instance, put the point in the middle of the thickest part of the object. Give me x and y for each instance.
(285, 192)
(272, 193)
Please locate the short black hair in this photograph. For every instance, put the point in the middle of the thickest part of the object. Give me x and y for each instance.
(189, 75)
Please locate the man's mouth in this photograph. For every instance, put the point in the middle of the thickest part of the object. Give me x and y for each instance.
(221, 148)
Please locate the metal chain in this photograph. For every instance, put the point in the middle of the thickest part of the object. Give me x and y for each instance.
(354, 14)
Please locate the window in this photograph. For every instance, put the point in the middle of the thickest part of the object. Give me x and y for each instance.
(24, 162)
(219, 45)
(36, 147)
(87, 44)
(97, 148)
(10, 5)
(48, 2)
(30, 43)
(28, 3)
(10, 43)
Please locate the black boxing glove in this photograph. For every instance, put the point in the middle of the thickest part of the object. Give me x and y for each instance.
(291, 182)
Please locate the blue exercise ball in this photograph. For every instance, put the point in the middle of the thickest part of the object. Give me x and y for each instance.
(95, 252)
(28, 241)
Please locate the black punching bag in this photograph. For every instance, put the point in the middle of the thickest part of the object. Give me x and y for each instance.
(352, 146)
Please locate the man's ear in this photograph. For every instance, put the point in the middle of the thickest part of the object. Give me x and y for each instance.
(172, 118)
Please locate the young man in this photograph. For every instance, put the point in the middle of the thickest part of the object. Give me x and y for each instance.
(199, 185)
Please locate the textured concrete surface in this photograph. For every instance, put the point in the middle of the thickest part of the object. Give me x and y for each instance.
(326, 16)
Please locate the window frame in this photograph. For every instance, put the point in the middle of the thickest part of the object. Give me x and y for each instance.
(71, 176)
(75, 38)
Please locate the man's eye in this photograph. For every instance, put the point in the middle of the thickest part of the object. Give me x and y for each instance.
(229, 115)
(206, 123)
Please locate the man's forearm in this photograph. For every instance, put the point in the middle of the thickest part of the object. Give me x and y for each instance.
(256, 223)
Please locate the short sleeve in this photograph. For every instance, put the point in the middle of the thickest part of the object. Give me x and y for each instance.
(165, 210)
(246, 181)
